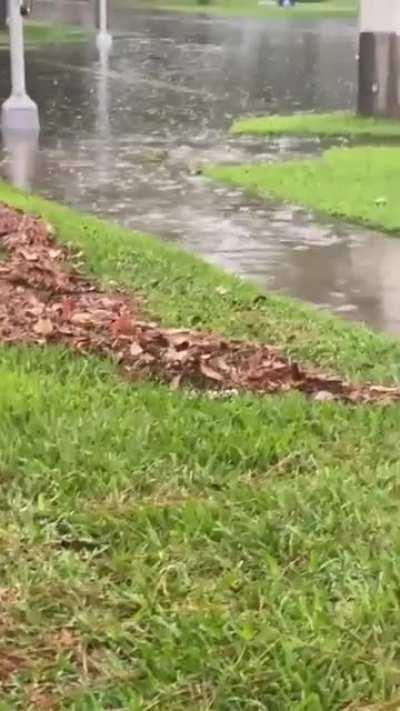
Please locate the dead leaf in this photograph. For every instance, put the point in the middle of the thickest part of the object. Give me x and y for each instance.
(36, 310)
(43, 327)
(210, 373)
(123, 326)
(295, 371)
(42, 700)
(54, 253)
(110, 303)
(222, 365)
(67, 309)
(147, 358)
(324, 396)
(175, 382)
(29, 256)
(171, 355)
(80, 318)
(66, 639)
(385, 390)
(10, 663)
(178, 339)
(135, 350)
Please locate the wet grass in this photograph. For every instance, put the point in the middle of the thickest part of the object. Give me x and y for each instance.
(161, 551)
(339, 123)
(358, 184)
(201, 296)
(38, 34)
(305, 10)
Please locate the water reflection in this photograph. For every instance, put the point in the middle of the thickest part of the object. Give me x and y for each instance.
(103, 97)
(21, 155)
(125, 133)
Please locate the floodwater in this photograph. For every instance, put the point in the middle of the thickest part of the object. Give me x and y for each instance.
(124, 136)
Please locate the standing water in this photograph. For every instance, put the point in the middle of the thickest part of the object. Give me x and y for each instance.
(124, 135)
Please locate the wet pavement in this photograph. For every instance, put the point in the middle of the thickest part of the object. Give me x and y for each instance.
(124, 136)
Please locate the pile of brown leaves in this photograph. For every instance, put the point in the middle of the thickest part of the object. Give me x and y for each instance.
(45, 300)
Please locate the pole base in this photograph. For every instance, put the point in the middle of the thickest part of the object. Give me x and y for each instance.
(19, 114)
(104, 41)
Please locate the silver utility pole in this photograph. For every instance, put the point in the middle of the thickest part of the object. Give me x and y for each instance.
(103, 119)
(379, 58)
(19, 113)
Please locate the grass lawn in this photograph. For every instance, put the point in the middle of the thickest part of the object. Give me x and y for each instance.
(38, 34)
(309, 10)
(161, 551)
(358, 184)
(340, 123)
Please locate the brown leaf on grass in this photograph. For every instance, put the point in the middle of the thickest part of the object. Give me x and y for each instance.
(10, 663)
(61, 282)
(381, 390)
(210, 373)
(223, 365)
(54, 253)
(171, 355)
(65, 639)
(256, 360)
(135, 350)
(43, 327)
(80, 318)
(9, 596)
(147, 358)
(324, 396)
(110, 304)
(35, 308)
(123, 326)
(29, 256)
(180, 340)
(295, 371)
(67, 309)
(36, 698)
(175, 382)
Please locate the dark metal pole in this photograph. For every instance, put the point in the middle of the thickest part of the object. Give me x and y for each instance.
(3, 14)
(97, 14)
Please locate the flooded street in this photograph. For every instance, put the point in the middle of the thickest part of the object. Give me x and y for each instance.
(124, 136)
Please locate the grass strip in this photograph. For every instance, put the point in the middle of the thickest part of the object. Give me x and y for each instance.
(339, 123)
(38, 34)
(171, 552)
(253, 8)
(356, 184)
